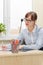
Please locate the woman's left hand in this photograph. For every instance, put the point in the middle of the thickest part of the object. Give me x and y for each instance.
(21, 46)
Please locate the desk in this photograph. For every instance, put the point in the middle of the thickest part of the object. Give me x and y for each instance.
(33, 57)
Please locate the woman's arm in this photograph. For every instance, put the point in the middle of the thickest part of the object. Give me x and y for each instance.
(38, 44)
(20, 38)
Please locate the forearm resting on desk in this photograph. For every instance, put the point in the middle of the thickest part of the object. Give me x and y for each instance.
(34, 46)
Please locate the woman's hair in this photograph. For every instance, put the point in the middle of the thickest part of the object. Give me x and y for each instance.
(32, 14)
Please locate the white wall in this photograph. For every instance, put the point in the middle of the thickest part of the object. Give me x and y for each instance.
(38, 7)
(18, 9)
(13, 11)
(1, 11)
(6, 14)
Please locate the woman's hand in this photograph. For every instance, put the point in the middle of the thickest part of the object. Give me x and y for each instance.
(21, 46)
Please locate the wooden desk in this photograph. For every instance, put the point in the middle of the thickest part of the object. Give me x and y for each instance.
(34, 57)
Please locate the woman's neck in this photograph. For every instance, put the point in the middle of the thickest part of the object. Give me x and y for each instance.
(31, 28)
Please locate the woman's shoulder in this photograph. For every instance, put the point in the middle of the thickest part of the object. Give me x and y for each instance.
(40, 29)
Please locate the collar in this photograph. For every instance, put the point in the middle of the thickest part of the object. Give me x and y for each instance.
(34, 30)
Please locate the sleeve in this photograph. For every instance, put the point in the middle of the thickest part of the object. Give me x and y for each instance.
(21, 37)
(38, 44)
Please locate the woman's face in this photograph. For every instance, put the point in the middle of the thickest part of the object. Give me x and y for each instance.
(29, 23)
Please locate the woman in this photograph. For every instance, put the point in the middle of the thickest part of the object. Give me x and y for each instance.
(32, 35)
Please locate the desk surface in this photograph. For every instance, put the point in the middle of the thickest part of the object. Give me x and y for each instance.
(32, 52)
(34, 57)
